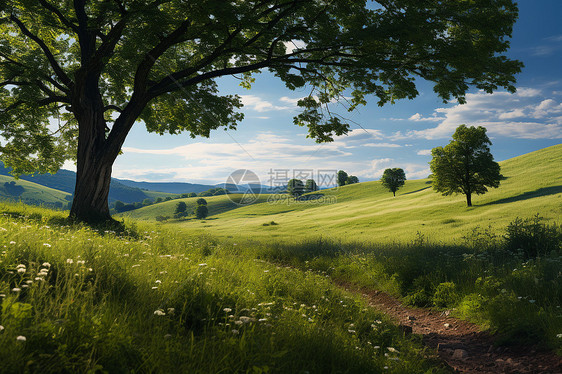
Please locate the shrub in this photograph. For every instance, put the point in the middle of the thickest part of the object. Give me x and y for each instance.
(445, 295)
(201, 201)
(533, 237)
(161, 218)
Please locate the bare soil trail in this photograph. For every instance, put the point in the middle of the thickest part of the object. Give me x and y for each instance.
(461, 344)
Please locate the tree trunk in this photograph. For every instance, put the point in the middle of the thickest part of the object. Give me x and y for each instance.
(394, 193)
(94, 157)
(468, 199)
(91, 193)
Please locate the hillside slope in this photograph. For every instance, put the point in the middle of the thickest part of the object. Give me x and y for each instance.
(366, 212)
(32, 193)
(65, 180)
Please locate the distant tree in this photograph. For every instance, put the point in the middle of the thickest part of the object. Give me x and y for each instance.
(138, 205)
(167, 198)
(393, 179)
(201, 201)
(465, 165)
(201, 212)
(352, 179)
(146, 202)
(158, 200)
(310, 186)
(184, 195)
(295, 187)
(342, 178)
(181, 207)
(119, 205)
(13, 189)
(192, 194)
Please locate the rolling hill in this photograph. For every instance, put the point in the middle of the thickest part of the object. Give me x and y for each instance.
(64, 180)
(32, 193)
(366, 212)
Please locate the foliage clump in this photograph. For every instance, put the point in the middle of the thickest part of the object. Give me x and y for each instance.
(532, 237)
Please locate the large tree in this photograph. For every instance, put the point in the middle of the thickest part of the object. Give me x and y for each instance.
(393, 179)
(76, 76)
(465, 165)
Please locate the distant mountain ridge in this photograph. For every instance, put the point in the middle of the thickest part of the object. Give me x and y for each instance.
(169, 187)
(65, 180)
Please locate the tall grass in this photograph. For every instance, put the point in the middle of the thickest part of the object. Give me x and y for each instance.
(501, 280)
(74, 299)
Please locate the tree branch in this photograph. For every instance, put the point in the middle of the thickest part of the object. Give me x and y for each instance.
(112, 107)
(150, 57)
(52, 61)
(59, 15)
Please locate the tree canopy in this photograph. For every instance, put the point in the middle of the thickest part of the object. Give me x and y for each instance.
(465, 165)
(76, 76)
(393, 179)
(295, 187)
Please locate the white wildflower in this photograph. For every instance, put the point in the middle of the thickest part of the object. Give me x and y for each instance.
(392, 349)
(21, 338)
(203, 264)
(235, 332)
(15, 289)
(158, 281)
(227, 310)
(69, 261)
(46, 264)
(159, 312)
(47, 245)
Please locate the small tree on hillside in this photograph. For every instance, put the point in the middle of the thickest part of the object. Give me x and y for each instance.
(119, 206)
(201, 212)
(310, 186)
(352, 179)
(393, 179)
(342, 178)
(181, 207)
(465, 165)
(201, 201)
(295, 187)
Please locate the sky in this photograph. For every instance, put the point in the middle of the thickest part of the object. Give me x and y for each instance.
(399, 135)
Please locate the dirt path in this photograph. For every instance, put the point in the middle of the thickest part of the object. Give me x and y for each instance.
(462, 345)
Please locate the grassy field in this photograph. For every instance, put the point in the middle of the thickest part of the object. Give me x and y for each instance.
(153, 300)
(32, 193)
(254, 289)
(367, 213)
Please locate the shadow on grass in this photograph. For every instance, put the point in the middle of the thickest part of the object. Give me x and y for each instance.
(421, 189)
(528, 195)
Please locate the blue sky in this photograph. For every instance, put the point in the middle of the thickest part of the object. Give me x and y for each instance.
(399, 135)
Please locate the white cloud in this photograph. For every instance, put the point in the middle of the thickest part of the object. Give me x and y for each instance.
(424, 152)
(293, 45)
(381, 145)
(419, 118)
(523, 115)
(260, 105)
(412, 170)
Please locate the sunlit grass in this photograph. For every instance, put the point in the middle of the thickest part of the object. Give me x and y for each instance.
(78, 300)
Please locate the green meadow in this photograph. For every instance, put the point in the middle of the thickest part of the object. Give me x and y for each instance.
(31, 193)
(368, 213)
(254, 288)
